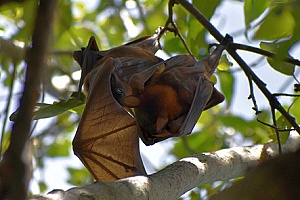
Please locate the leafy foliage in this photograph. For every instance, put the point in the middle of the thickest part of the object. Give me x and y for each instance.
(275, 24)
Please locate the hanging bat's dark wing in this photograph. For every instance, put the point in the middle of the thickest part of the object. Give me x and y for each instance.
(172, 101)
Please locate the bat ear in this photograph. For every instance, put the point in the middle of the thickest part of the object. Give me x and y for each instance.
(138, 80)
(131, 101)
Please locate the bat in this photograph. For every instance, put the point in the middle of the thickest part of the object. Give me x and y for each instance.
(106, 140)
(88, 57)
(116, 80)
(168, 102)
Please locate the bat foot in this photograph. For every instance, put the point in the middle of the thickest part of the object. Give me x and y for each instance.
(228, 39)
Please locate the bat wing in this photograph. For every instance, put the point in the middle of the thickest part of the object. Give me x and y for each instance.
(202, 96)
(184, 124)
(87, 58)
(194, 75)
(106, 140)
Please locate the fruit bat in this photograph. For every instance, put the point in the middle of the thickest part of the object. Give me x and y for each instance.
(106, 140)
(123, 78)
(169, 100)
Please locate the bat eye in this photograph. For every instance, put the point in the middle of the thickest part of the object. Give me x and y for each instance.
(119, 91)
(116, 88)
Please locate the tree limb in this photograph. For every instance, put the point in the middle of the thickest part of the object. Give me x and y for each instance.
(14, 172)
(181, 176)
(247, 70)
(265, 53)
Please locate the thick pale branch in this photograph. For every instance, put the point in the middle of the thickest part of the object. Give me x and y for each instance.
(181, 176)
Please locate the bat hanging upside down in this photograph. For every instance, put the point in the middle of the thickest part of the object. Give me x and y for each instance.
(166, 99)
(169, 101)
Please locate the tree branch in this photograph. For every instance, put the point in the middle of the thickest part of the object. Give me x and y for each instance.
(181, 176)
(264, 53)
(14, 172)
(247, 70)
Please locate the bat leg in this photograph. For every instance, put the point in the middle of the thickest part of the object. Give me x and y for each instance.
(138, 80)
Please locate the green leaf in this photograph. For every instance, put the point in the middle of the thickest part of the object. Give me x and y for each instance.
(282, 67)
(194, 195)
(64, 17)
(195, 35)
(50, 110)
(156, 18)
(227, 82)
(78, 110)
(57, 108)
(206, 7)
(195, 143)
(60, 148)
(278, 65)
(174, 45)
(253, 9)
(224, 63)
(78, 177)
(294, 110)
(278, 24)
(248, 128)
(282, 124)
(27, 14)
(269, 46)
(42, 186)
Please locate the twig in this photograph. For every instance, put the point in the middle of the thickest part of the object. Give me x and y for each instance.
(247, 70)
(14, 173)
(276, 129)
(252, 96)
(175, 28)
(264, 53)
(273, 127)
(8, 102)
(287, 95)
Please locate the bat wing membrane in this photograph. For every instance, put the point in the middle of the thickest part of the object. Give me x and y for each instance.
(106, 140)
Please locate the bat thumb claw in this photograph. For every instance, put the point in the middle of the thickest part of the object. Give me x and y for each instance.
(131, 101)
(161, 123)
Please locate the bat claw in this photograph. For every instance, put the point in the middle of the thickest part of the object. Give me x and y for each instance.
(161, 123)
(228, 39)
(131, 101)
